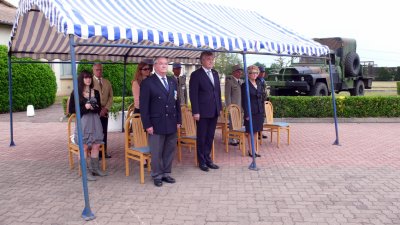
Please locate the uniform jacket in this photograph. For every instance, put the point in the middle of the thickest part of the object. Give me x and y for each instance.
(205, 97)
(182, 91)
(159, 108)
(106, 93)
(233, 91)
(256, 99)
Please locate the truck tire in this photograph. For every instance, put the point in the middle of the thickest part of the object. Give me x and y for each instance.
(352, 65)
(320, 89)
(358, 89)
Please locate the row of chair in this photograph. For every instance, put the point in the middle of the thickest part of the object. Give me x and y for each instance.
(136, 143)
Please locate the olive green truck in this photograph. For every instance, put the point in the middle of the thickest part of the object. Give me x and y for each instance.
(310, 76)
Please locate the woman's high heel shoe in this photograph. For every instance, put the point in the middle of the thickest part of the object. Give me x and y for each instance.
(258, 155)
(250, 155)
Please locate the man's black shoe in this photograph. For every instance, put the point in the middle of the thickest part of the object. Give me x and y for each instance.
(264, 136)
(204, 167)
(212, 166)
(108, 156)
(158, 182)
(168, 179)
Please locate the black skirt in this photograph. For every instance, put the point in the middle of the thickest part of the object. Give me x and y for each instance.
(258, 121)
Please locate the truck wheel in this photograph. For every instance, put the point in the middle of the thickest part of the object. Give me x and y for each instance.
(352, 65)
(320, 89)
(359, 89)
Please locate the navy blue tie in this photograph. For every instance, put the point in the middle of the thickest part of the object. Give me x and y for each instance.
(165, 83)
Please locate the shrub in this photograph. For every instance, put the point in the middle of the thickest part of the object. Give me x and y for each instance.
(33, 84)
(319, 107)
(115, 74)
(398, 87)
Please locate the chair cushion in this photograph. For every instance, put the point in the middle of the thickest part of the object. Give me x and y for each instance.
(243, 129)
(190, 137)
(144, 150)
(278, 124)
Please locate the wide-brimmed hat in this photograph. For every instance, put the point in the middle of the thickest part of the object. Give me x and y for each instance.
(236, 67)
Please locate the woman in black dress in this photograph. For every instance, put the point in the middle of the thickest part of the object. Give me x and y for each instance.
(256, 104)
(89, 102)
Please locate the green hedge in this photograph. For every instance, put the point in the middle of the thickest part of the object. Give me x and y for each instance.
(317, 107)
(33, 84)
(115, 74)
(398, 87)
(320, 107)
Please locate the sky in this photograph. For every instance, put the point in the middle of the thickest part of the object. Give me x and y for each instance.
(374, 24)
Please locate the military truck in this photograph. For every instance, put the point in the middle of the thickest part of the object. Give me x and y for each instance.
(310, 76)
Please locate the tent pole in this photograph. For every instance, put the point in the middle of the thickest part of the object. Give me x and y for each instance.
(123, 95)
(253, 165)
(10, 98)
(334, 104)
(87, 213)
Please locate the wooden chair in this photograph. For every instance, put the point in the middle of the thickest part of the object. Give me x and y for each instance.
(274, 127)
(73, 148)
(223, 125)
(136, 145)
(238, 131)
(189, 138)
(131, 108)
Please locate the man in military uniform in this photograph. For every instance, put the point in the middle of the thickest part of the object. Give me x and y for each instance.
(181, 81)
(233, 92)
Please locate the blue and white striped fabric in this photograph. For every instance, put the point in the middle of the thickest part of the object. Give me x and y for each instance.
(42, 27)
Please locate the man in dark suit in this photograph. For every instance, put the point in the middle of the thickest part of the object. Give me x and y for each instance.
(205, 98)
(161, 116)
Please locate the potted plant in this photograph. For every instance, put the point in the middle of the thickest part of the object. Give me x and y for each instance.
(115, 114)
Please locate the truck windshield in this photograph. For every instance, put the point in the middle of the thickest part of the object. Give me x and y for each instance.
(307, 60)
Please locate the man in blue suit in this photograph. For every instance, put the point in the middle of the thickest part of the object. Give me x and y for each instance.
(205, 98)
(161, 116)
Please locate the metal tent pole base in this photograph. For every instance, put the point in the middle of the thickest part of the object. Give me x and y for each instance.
(253, 166)
(87, 214)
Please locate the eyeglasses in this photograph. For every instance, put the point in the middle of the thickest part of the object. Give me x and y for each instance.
(253, 72)
(145, 69)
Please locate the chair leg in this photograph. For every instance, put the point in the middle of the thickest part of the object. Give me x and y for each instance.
(149, 165)
(279, 136)
(179, 151)
(243, 144)
(71, 160)
(103, 160)
(126, 165)
(288, 136)
(271, 135)
(226, 144)
(141, 169)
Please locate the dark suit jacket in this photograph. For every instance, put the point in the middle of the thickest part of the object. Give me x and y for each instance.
(158, 108)
(204, 97)
(256, 99)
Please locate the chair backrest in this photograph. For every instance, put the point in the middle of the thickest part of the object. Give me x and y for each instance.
(269, 112)
(235, 113)
(131, 108)
(71, 127)
(137, 137)
(188, 122)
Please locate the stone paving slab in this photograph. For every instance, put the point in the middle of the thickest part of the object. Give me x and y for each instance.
(307, 182)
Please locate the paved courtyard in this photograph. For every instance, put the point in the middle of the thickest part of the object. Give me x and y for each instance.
(307, 182)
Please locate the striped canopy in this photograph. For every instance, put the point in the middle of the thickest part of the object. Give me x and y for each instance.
(175, 27)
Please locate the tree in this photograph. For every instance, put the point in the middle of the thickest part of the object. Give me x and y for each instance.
(260, 64)
(225, 61)
(383, 74)
(397, 75)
